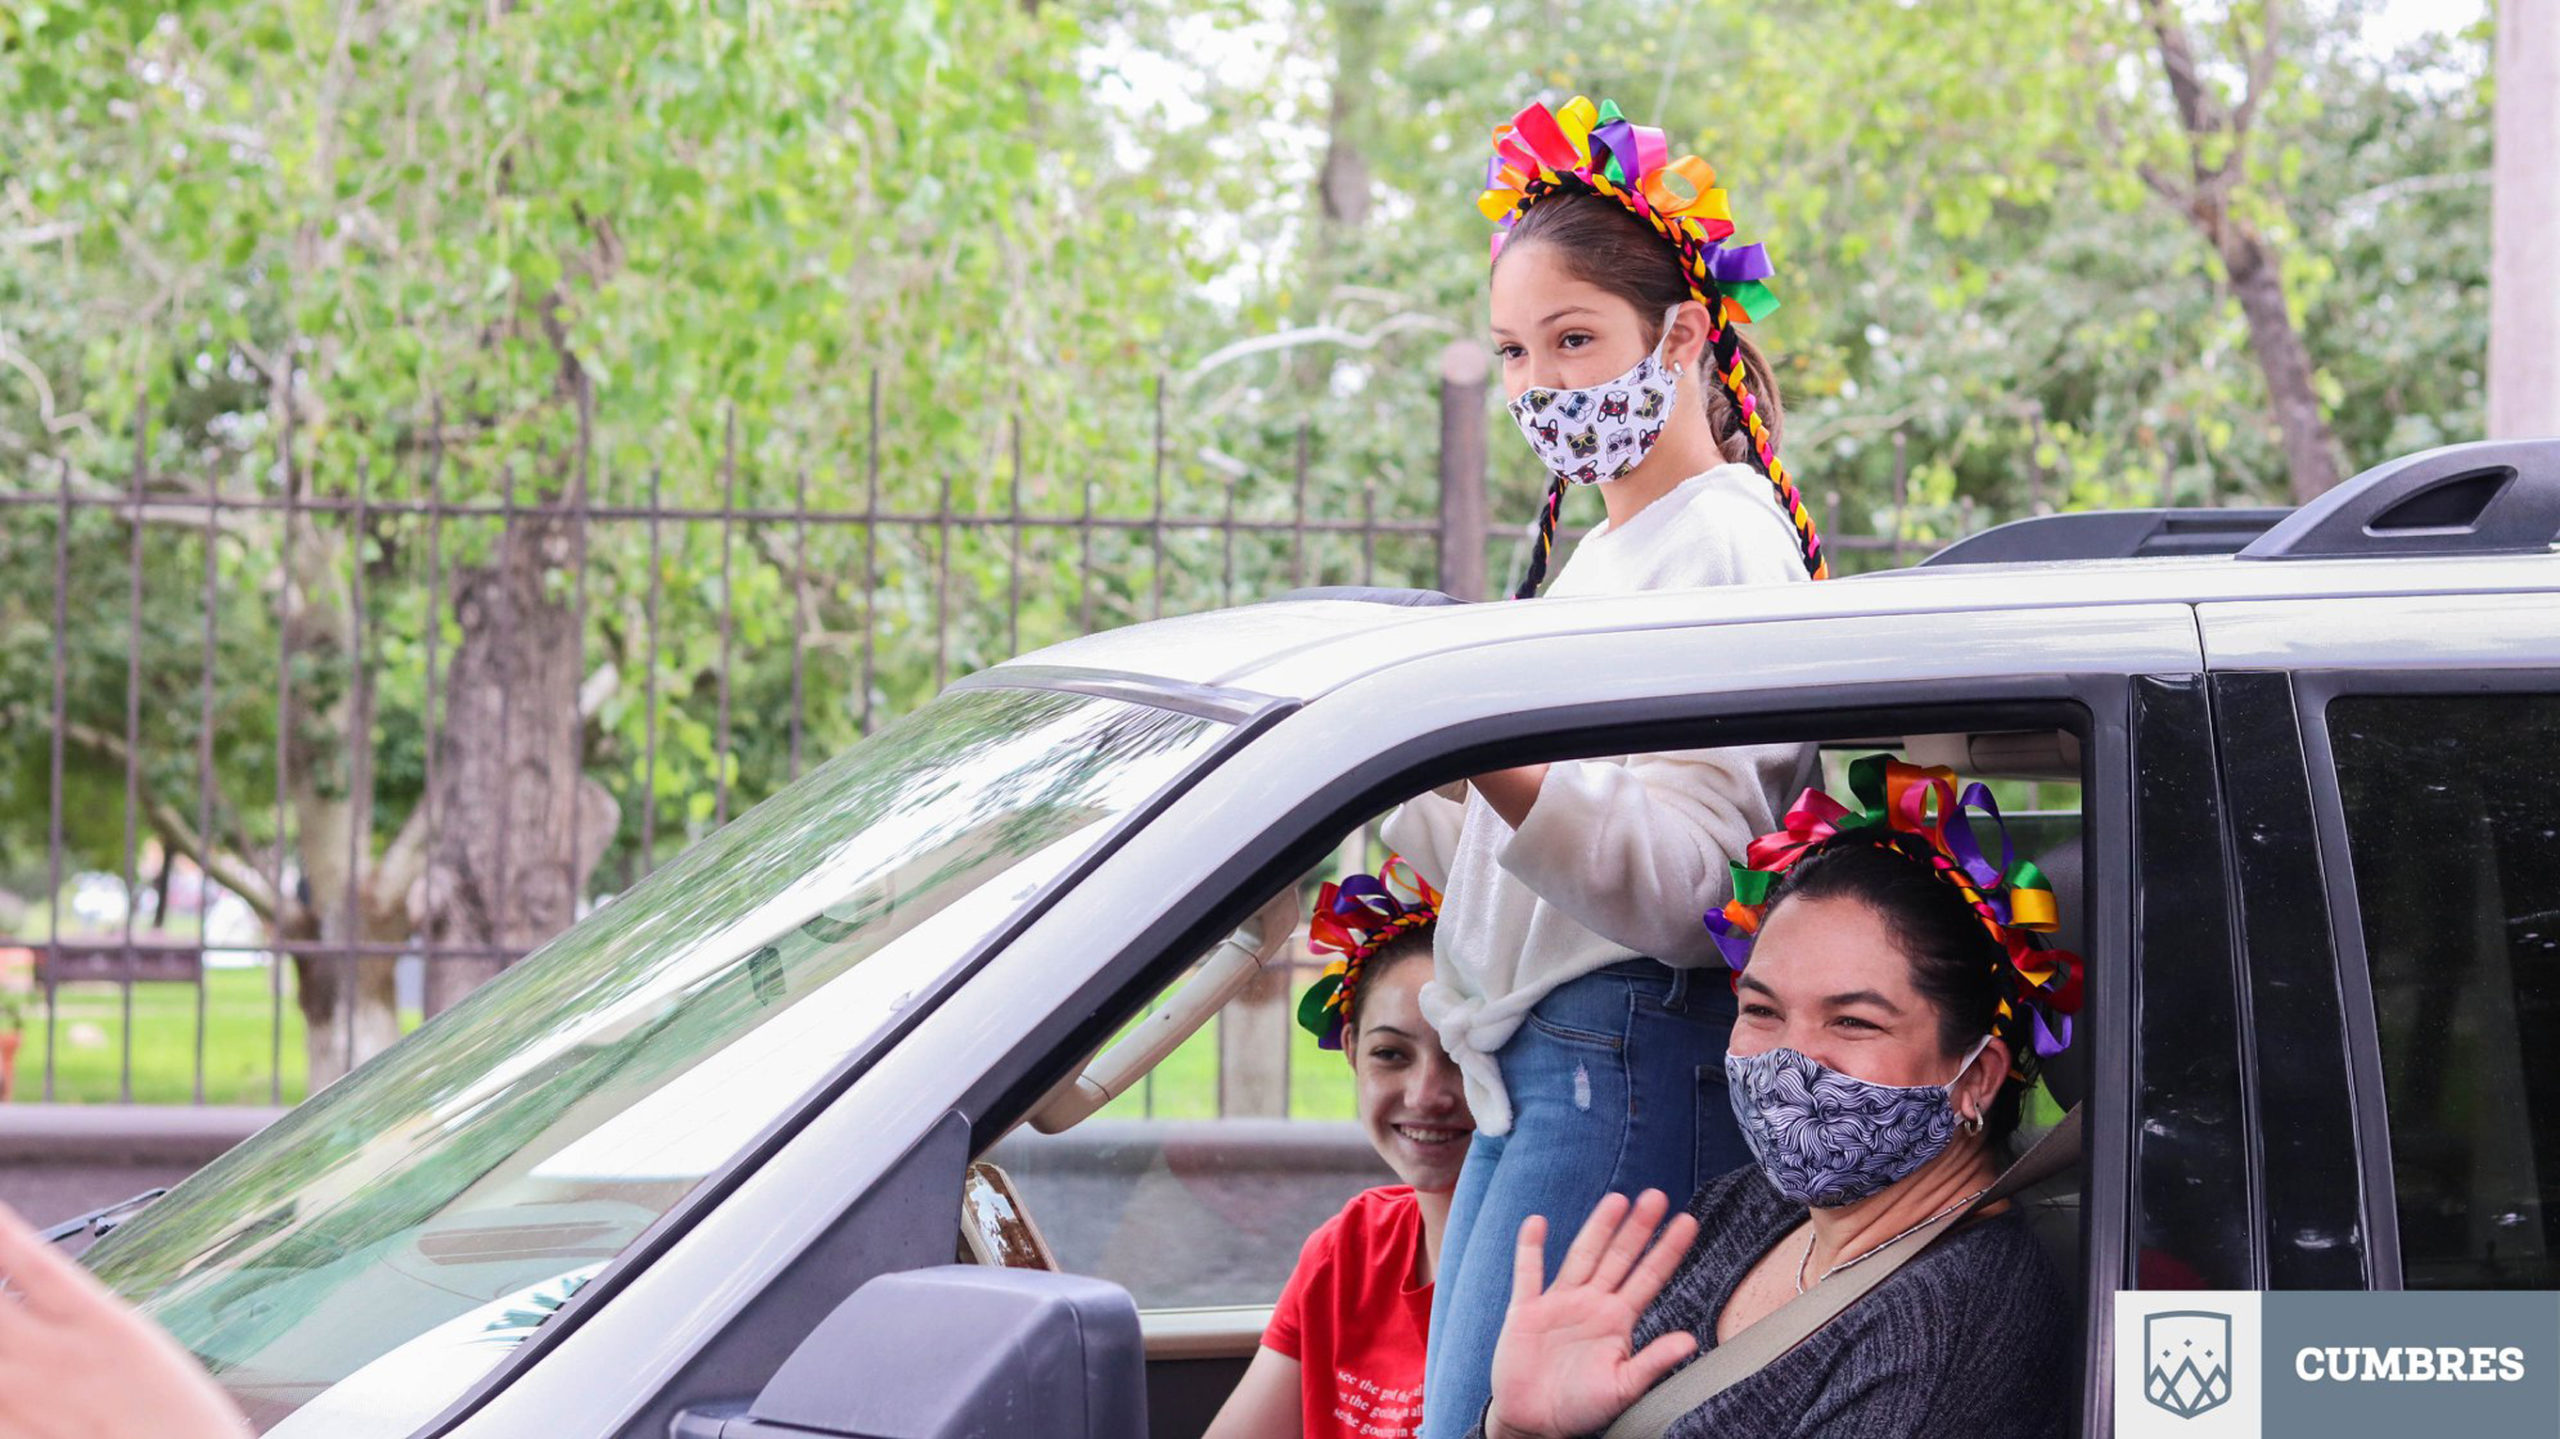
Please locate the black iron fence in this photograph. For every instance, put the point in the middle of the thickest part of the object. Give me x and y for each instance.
(293, 758)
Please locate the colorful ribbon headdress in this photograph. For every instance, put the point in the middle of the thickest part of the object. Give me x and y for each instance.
(2012, 896)
(1354, 920)
(1595, 149)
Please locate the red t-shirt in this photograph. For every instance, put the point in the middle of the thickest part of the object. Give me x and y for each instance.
(1355, 1321)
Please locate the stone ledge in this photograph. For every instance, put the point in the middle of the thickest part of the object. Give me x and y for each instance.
(111, 1134)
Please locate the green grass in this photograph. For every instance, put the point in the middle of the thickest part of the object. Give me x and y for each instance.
(239, 1042)
(1185, 1086)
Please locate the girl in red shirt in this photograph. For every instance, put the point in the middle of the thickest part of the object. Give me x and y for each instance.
(1342, 1358)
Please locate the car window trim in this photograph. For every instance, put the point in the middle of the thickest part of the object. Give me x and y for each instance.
(2313, 692)
(2195, 915)
(2314, 1237)
(707, 1194)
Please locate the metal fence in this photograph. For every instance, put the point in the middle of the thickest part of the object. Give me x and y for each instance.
(306, 754)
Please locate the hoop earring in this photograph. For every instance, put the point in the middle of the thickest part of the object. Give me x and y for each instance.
(1970, 1124)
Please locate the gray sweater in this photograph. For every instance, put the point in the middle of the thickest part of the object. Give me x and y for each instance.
(1970, 1340)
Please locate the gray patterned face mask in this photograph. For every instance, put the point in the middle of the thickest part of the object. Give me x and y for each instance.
(1825, 1138)
(1595, 435)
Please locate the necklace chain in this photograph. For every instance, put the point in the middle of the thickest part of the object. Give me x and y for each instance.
(1807, 1257)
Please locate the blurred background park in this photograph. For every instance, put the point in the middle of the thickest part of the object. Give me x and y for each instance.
(453, 454)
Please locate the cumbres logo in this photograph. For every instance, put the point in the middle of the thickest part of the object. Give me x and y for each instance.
(2186, 1361)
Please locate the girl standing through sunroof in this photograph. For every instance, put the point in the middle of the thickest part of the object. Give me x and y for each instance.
(1572, 982)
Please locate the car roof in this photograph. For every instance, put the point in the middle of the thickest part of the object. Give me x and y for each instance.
(1302, 648)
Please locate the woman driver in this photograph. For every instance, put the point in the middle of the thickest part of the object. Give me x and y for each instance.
(1892, 1013)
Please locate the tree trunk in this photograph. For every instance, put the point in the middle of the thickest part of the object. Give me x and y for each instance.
(2310, 447)
(519, 827)
(2524, 225)
(349, 1010)
(2218, 137)
(1343, 183)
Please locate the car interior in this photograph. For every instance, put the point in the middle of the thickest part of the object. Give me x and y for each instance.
(1156, 1164)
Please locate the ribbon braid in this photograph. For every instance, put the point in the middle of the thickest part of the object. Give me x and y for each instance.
(1543, 544)
(1355, 919)
(1727, 345)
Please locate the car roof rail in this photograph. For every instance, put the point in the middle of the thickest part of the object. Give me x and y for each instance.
(2488, 497)
(2109, 535)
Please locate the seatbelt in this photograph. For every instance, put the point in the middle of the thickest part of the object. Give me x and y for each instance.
(1783, 1329)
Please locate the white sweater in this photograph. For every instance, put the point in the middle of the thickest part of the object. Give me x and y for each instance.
(1620, 856)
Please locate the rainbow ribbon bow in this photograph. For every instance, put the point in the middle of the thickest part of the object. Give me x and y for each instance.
(1355, 919)
(1595, 147)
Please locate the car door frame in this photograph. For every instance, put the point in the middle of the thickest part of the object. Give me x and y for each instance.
(2319, 650)
(1690, 720)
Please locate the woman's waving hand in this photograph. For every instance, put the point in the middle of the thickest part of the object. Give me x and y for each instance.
(1562, 1366)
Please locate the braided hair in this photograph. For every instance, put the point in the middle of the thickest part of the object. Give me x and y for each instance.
(1543, 544)
(1602, 244)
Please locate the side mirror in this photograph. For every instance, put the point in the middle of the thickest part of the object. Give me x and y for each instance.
(954, 1353)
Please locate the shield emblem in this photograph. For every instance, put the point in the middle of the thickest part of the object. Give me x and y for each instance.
(2186, 1361)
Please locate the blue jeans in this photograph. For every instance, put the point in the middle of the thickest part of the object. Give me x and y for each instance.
(1617, 1084)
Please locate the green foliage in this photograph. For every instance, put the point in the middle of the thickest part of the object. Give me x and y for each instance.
(1982, 295)
(684, 252)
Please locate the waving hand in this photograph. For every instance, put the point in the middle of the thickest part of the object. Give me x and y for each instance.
(1562, 1366)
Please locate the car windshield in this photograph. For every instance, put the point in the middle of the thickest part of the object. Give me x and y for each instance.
(451, 1194)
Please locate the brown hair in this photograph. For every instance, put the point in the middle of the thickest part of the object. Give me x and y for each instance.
(1412, 944)
(1956, 965)
(1602, 244)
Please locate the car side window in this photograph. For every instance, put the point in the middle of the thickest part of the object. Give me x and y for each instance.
(2452, 805)
(1197, 1187)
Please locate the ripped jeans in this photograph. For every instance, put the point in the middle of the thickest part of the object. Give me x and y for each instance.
(1616, 1083)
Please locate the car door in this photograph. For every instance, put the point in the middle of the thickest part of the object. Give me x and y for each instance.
(1345, 756)
(2423, 886)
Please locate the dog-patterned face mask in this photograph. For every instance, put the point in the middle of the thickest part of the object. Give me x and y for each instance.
(1595, 435)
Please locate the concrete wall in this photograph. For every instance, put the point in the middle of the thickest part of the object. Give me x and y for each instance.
(58, 1160)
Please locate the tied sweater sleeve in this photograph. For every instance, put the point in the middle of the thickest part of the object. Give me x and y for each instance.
(1620, 855)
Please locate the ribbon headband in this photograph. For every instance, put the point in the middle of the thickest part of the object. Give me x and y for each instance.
(1594, 148)
(1355, 919)
(2012, 897)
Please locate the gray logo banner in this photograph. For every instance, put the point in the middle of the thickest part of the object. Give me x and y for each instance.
(2390, 1365)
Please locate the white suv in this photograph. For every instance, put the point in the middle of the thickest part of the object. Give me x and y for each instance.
(697, 1167)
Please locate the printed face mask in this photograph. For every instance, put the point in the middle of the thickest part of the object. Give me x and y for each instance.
(1595, 435)
(1825, 1138)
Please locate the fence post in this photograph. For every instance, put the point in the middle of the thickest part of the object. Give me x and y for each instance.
(1253, 1049)
(1464, 368)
